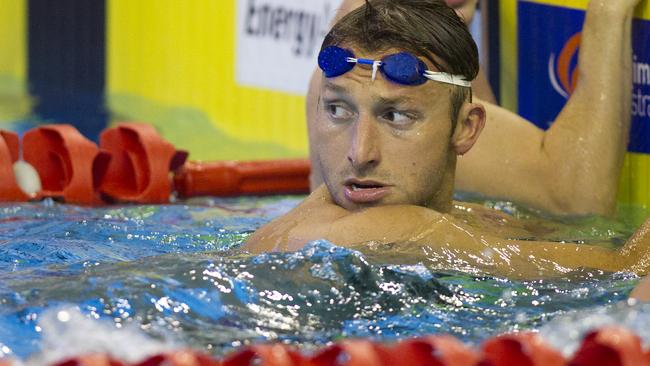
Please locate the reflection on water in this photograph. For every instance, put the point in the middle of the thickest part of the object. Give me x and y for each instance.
(174, 273)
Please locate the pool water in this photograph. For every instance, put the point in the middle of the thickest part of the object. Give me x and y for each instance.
(173, 275)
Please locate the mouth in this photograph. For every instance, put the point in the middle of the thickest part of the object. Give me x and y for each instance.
(365, 191)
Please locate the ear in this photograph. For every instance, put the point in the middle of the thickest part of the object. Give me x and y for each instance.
(471, 121)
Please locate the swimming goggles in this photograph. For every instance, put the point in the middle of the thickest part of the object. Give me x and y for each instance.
(401, 68)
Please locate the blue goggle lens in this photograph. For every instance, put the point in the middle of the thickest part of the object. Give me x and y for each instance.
(333, 61)
(402, 68)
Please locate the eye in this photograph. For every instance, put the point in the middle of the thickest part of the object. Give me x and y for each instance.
(338, 112)
(399, 118)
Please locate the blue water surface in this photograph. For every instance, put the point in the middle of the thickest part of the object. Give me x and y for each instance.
(175, 273)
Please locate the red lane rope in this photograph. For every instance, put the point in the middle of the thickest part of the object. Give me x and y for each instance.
(611, 346)
(134, 164)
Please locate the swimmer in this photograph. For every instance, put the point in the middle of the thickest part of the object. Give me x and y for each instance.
(572, 168)
(387, 135)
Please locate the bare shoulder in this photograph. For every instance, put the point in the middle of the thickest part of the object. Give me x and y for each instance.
(310, 220)
(394, 223)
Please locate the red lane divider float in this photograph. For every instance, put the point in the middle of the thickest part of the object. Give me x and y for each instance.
(70, 166)
(520, 349)
(352, 353)
(606, 347)
(9, 154)
(140, 164)
(271, 355)
(133, 164)
(440, 350)
(91, 360)
(180, 358)
(611, 346)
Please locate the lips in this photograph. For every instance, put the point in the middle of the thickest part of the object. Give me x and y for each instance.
(365, 191)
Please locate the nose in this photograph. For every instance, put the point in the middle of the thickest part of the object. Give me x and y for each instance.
(364, 151)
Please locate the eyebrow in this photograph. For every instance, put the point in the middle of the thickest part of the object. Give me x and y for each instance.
(335, 88)
(394, 100)
(380, 100)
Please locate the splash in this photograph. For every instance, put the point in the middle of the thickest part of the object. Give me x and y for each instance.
(67, 333)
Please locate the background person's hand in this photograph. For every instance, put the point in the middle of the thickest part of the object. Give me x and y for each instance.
(464, 8)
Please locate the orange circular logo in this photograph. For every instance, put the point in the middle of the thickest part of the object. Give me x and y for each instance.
(563, 77)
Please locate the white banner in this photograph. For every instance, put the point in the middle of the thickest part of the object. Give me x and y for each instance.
(278, 41)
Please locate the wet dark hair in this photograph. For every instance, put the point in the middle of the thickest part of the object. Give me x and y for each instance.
(426, 28)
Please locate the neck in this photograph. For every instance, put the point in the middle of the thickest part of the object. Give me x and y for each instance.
(442, 200)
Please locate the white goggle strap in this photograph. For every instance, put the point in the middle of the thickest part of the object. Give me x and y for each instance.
(375, 66)
(443, 77)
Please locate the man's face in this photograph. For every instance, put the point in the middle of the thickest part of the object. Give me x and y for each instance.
(382, 143)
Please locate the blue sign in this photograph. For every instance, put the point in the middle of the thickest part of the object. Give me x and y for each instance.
(640, 140)
(549, 39)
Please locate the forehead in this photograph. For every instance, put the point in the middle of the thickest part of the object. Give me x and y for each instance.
(359, 79)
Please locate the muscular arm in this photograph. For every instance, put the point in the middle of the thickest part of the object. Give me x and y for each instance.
(418, 234)
(415, 234)
(574, 167)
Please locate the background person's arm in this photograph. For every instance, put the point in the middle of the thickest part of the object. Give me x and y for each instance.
(574, 167)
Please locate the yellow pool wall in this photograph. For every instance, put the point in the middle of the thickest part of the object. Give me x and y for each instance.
(14, 98)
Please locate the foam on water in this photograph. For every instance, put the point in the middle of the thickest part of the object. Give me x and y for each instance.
(68, 333)
(567, 331)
